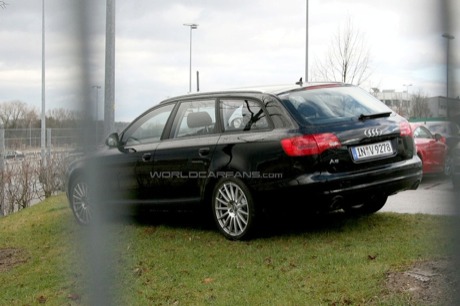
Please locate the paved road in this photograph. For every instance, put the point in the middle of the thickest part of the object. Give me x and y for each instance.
(434, 196)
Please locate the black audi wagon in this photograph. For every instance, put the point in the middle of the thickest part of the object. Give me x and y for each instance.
(236, 153)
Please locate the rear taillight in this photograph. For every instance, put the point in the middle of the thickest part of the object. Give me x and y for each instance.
(310, 144)
(405, 129)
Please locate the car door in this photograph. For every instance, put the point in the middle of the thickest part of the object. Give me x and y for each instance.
(181, 163)
(433, 149)
(138, 144)
(248, 149)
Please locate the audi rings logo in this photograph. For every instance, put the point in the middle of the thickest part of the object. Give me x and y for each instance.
(372, 132)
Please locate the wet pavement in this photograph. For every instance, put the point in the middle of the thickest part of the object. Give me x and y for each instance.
(435, 195)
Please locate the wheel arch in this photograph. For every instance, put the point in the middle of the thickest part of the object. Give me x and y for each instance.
(215, 177)
(71, 176)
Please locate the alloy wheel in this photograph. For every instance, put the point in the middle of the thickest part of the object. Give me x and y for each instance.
(233, 209)
(80, 202)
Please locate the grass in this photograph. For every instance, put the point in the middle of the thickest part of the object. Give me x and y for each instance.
(175, 260)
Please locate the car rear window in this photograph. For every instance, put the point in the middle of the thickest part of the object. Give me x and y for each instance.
(329, 105)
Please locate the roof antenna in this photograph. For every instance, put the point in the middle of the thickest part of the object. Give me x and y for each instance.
(299, 82)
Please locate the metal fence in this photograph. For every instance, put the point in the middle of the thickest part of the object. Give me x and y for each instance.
(24, 177)
(28, 140)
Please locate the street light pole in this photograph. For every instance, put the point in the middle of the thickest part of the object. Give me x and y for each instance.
(306, 44)
(448, 37)
(192, 26)
(407, 90)
(407, 104)
(43, 116)
(407, 87)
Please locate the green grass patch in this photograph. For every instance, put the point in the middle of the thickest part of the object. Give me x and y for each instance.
(175, 259)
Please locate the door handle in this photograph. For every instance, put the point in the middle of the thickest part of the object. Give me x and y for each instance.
(146, 157)
(204, 152)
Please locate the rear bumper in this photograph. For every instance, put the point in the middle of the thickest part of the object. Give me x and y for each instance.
(322, 188)
(389, 179)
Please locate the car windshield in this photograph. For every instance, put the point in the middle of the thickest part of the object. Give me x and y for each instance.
(333, 104)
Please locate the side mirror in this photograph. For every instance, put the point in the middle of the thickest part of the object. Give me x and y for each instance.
(112, 141)
(437, 136)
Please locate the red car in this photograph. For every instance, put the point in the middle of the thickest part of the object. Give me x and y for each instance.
(431, 148)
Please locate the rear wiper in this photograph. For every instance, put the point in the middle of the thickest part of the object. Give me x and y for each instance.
(363, 117)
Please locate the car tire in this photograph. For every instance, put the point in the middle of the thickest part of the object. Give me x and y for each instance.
(370, 206)
(233, 208)
(80, 201)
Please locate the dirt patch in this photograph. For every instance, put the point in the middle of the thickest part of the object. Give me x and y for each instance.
(427, 283)
(11, 257)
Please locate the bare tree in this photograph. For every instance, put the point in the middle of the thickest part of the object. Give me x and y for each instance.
(3, 4)
(63, 118)
(16, 114)
(31, 119)
(347, 60)
(420, 107)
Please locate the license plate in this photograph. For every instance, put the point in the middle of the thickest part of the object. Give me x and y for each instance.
(375, 150)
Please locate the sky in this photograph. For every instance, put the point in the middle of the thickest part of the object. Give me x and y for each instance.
(238, 43)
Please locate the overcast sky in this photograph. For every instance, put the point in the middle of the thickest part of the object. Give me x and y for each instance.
(238, 43)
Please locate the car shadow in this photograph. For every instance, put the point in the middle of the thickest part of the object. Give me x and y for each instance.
(187, 219)
(268, 225)
(300, 223)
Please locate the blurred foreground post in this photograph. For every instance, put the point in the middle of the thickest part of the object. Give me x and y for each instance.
(97, 239)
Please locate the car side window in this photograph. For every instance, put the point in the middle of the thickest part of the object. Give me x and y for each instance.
(149, 127)
(195, 118)
(421, 132)
(243, 115)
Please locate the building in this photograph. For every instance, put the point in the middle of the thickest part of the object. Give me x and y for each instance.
(438, 107)
(442, 107)
(453, 109)
(398, 101)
